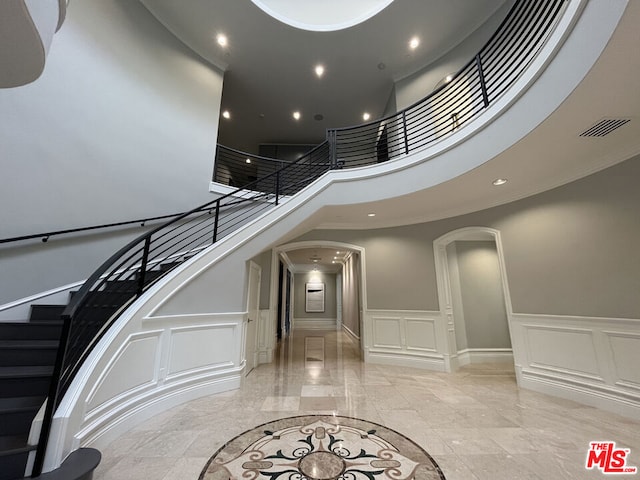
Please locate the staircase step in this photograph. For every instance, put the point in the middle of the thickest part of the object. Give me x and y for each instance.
(24, 381)
(28, 352)
(17, 414)
(46, 312)
(31, 330)
(11, 444)
(128, 286)
(14, 452)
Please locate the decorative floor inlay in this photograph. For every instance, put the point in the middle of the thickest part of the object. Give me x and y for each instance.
(321, 447)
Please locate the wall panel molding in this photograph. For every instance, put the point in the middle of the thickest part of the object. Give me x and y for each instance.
(592, 360)
(411, 338)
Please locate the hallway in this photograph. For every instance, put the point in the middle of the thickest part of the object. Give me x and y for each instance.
(475, 423)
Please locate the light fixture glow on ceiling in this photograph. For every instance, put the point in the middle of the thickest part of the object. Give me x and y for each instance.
(296, 115)
(226, 114)
(366, 116)
(248, 160)
(414, 42)
(371, 214)
(222, 40)
(319, 70)
(499, 181)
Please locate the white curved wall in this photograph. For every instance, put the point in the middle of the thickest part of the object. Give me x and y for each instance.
(207, 293)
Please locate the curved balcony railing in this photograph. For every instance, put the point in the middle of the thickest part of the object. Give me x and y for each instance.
(134, 268)
(462, 98)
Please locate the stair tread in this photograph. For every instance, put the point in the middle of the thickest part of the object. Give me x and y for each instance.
(28, 343)
(12, 444)
(26, 371)
(20, 404)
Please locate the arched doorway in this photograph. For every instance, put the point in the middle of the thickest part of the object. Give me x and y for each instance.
(474, 296)
(348, 284)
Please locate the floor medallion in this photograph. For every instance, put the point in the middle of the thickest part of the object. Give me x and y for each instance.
(321, 447)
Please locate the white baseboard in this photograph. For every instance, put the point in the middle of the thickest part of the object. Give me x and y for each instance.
(590, 360)
(610, 400)
(485, 355)
(314, 324)
(110, 427)
(434, 363)
(349, 332)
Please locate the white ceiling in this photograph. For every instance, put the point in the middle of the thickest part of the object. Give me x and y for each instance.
(269, 65)
(323, 259)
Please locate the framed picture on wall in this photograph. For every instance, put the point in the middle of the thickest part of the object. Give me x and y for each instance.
(314, 297)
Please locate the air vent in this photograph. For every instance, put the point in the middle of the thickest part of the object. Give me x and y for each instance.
(605, 127)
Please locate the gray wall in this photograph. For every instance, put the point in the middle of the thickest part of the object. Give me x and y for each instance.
(570, 251)
(351, 294)
(460, 327)
(485, 317)
(121, 125)
(418, 85)
(299, 281)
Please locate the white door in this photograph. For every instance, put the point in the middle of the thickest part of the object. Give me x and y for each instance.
(253, 313)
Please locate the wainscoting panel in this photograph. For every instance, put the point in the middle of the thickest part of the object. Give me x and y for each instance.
(625, 352)
(421, 334)
(131, 369)
(201, 347)
(592, 360)
(387, 332)
(547, 349)
(406, 338)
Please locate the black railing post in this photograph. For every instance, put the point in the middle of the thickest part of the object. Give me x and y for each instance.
(333, 151)
(143, 265)
(52, 398)
(406, 135)
(215, 222)
(483, 85)
(277, 187)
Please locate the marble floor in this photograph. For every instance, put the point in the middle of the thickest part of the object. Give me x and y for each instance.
(476, 423)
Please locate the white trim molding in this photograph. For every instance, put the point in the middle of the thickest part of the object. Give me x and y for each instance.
(484, 355)
(315, 324)
(591, 360)
(409, 338)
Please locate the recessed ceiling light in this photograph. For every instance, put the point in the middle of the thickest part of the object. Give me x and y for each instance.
(296, 115)
(381, 66)
(248, 160)
(319, 70)
(226, 114)
(414, 42)
(366, 116)
(337, 253)
(448, 78)
(222, 40)
(371, 214)
(499, 181)
(333, 261)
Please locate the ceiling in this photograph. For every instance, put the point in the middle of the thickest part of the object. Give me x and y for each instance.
(269, 65)
(328, 260)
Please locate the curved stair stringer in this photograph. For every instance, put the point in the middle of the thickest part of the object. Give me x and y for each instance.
(184, 337)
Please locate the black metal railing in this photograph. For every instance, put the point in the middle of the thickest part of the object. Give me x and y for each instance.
(131, 270)
(483, 80)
